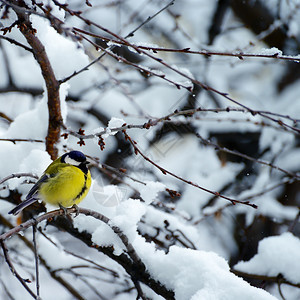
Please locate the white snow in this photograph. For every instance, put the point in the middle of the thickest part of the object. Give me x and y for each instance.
(113, 124)
(145, 211)
(150, 191)
(53, 254)
(271, 51)
(198, 275)
(276, 255)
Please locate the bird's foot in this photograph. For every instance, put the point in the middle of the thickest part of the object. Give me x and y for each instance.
(64, 209)
(76, 210)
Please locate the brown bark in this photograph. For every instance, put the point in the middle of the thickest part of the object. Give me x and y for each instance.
(52, 84)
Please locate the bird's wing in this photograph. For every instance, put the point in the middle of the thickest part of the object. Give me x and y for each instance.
(35, 188)
(31, 197)
(22, 205)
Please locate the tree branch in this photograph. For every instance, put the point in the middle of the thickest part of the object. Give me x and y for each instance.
(132, 264)
(13, 270)
(278, 278)
(164, 171)
(52, 85)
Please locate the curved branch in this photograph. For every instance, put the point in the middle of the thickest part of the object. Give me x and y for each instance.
(18, 175)
(280, 279)
(42, 261)
(132, 264)
(207, 53)
(12, 41)
(13, 270)
(165, 171)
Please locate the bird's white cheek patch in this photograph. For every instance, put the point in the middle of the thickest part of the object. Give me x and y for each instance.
(71, 161)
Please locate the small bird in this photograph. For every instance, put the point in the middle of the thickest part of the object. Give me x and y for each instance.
(65, 183)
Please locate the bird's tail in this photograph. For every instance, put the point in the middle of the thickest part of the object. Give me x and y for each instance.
(22, 205)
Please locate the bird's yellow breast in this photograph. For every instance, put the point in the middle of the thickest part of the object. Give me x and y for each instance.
(68, 187)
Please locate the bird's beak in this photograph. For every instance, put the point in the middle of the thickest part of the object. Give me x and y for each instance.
(88, 161)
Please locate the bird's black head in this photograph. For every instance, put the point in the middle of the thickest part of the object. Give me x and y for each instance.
(77, 159)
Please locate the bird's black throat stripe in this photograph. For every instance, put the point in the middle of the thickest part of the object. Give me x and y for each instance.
(83, 168)
(83, 188)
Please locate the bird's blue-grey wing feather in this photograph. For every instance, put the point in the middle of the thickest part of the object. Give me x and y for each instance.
(31, 197)
(22, 205)
(35, 188)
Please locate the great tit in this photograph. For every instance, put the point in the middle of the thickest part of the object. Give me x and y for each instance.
(65, 182)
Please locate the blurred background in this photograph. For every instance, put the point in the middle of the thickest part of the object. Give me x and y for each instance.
(217, 82)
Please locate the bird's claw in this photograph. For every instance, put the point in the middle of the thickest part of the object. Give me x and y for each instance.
(64, 209)
(76, 210)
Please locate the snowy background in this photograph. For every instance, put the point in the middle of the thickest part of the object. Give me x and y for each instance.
(221, 122)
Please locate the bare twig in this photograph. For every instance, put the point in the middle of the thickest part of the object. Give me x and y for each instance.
(178, 85)
(13, 270)
(255, 195)
(176, 113)
(36, 259)
(265, 278)
(102, 268)
(238, 54)
(164, 171)
(18, 175)
(145, 70)
(130, 34)
(245, 156)
(279, 290)
(189, 113)
(64, 283)
(5, 117)
(294, 223)
(12, 41)
(21, 140)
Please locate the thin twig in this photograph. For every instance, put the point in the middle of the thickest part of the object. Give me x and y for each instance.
(279, 290)
(18, 175)
(245, 156)
(255, 195)
(121, 173)
(12, 41)
(36, 259)
(102, 268)
(112, 47)
(188, 113)
(130, 34)
(265, 278)
(238, 54)
(13, 270)
(130, 250)
(164, 171)
(294, 223)
(176, 70)
(21, 140)
(176, 113)
(140, 293)
(64, 283)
